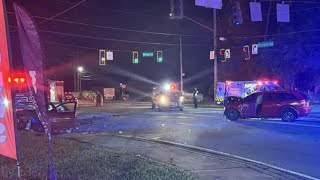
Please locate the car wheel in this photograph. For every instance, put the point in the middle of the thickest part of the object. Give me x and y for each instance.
(153, 106)
(181, 109)
(232, 114)
(289, 115)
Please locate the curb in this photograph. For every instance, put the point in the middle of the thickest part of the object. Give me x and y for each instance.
(293, 173)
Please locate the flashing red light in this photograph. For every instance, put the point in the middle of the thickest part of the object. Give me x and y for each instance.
(259, 83)
(244, 49)
(9, 79)
(16, 80)
(228, 83)
(173, 87)
(22, 80)
(276, 82)
(266, 82)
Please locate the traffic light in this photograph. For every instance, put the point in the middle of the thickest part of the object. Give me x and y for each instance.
(135, 57)
(222, 57)
(173, 87)
(176, 9)
(236, 13)
(102, 57)
(159, 56)
(246, 52)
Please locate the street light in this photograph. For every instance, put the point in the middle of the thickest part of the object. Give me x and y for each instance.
(80, 71)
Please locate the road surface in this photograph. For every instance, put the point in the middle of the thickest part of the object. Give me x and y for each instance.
(294, 146)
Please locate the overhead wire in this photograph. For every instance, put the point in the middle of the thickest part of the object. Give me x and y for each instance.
(116, 28)
(114, 39)
(62, 12)
(293, 1)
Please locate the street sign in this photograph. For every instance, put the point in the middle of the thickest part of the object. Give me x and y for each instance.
(215, 4)
(211, 55)
(109, 55)
(255, 11)
(283, 12)
(254, 48)
(227, 53)
(265, 44)
(147, 54)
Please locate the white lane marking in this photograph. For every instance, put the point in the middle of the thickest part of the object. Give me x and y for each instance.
(199, 125)
(187, 124)
(285, 123)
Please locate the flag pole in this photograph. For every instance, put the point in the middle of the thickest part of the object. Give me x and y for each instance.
(13, 91)
(37, 75)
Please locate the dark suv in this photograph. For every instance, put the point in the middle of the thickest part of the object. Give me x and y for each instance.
(288, 105)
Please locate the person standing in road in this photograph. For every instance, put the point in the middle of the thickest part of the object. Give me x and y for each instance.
(195, 97)
(98, 99)
(258, 105)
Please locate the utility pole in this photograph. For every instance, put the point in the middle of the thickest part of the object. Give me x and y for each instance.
(215, 63)
(181, 66)
(75, 70)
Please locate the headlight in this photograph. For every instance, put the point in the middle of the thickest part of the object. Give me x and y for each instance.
(181, 98)
(163, 99)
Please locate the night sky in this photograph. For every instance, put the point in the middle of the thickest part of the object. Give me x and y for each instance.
(63, 42)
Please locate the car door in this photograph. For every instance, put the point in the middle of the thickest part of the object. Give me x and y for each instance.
(268, 108)
(277, 102)
(283, 99)
(248, 106)
(66, 116)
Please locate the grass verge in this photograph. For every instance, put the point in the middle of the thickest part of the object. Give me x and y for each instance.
(74, 160)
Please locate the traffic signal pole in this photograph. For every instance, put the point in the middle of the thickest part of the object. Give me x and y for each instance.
(181, 66)
(215, 63)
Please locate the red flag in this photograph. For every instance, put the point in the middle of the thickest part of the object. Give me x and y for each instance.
(7, 135)
(32, 56)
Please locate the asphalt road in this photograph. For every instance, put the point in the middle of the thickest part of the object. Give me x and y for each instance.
(294, 146)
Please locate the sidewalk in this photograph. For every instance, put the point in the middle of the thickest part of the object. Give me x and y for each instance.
(204, 165)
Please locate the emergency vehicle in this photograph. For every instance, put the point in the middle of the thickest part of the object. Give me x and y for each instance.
(166, 97)
(243, 88)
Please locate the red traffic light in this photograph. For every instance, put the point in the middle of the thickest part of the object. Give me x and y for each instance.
(244, 49)
(173, 87)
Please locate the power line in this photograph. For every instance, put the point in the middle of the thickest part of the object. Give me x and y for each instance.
(279, 34)
(115, 28)
(293, 1)
(82, 47)
(62, 12)
(116, 40)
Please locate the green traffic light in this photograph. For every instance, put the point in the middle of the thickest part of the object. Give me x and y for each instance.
(135, 60)
(160, 59)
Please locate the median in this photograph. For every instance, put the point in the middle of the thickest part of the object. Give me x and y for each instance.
(75, 160)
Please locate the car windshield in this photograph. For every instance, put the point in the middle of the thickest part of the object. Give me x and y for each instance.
(160, 89)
